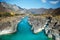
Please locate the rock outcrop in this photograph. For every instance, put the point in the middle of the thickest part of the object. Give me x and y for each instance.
(52, 30)
(51, 27)
(37, 23)
(9, 24)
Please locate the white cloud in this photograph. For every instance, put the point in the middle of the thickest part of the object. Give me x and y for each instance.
(53, 2)
(44, 1)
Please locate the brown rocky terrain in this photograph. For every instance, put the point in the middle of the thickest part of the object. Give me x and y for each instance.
(8, 23)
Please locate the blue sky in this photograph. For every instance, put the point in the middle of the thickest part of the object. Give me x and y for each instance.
(34, 3)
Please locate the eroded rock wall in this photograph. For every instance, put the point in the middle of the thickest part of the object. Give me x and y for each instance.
(9, 24)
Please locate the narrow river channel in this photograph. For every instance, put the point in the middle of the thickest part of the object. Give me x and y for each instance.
(24, 32)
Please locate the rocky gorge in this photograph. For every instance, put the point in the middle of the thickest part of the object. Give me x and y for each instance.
(32, 24)
(52, 30)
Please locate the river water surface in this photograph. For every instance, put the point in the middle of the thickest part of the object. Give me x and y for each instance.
(24, 32)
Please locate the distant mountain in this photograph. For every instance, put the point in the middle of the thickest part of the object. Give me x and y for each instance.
(56, 12)
(8, 7)
(5, 7)
(37, 11)
(41, 11)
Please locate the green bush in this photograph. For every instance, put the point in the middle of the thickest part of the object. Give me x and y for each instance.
(50, 39)
(6, 14)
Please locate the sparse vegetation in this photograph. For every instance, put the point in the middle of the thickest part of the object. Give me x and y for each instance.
(50, 39)
(6, 14)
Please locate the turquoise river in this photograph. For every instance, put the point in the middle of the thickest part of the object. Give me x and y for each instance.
(24, 32)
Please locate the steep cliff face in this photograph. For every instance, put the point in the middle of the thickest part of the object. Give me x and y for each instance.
(9, 24)
(52, 30)
(37, 23)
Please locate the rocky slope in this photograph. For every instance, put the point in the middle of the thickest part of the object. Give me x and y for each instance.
(38, 22)
(52, 29)
(9, 24)
(56, 12)
(6, 7)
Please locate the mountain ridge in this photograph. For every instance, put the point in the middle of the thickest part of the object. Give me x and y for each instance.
(18, 10)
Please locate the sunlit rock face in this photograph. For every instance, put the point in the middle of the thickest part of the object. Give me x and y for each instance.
(53, 28)
(37, 23)
(9, 25)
